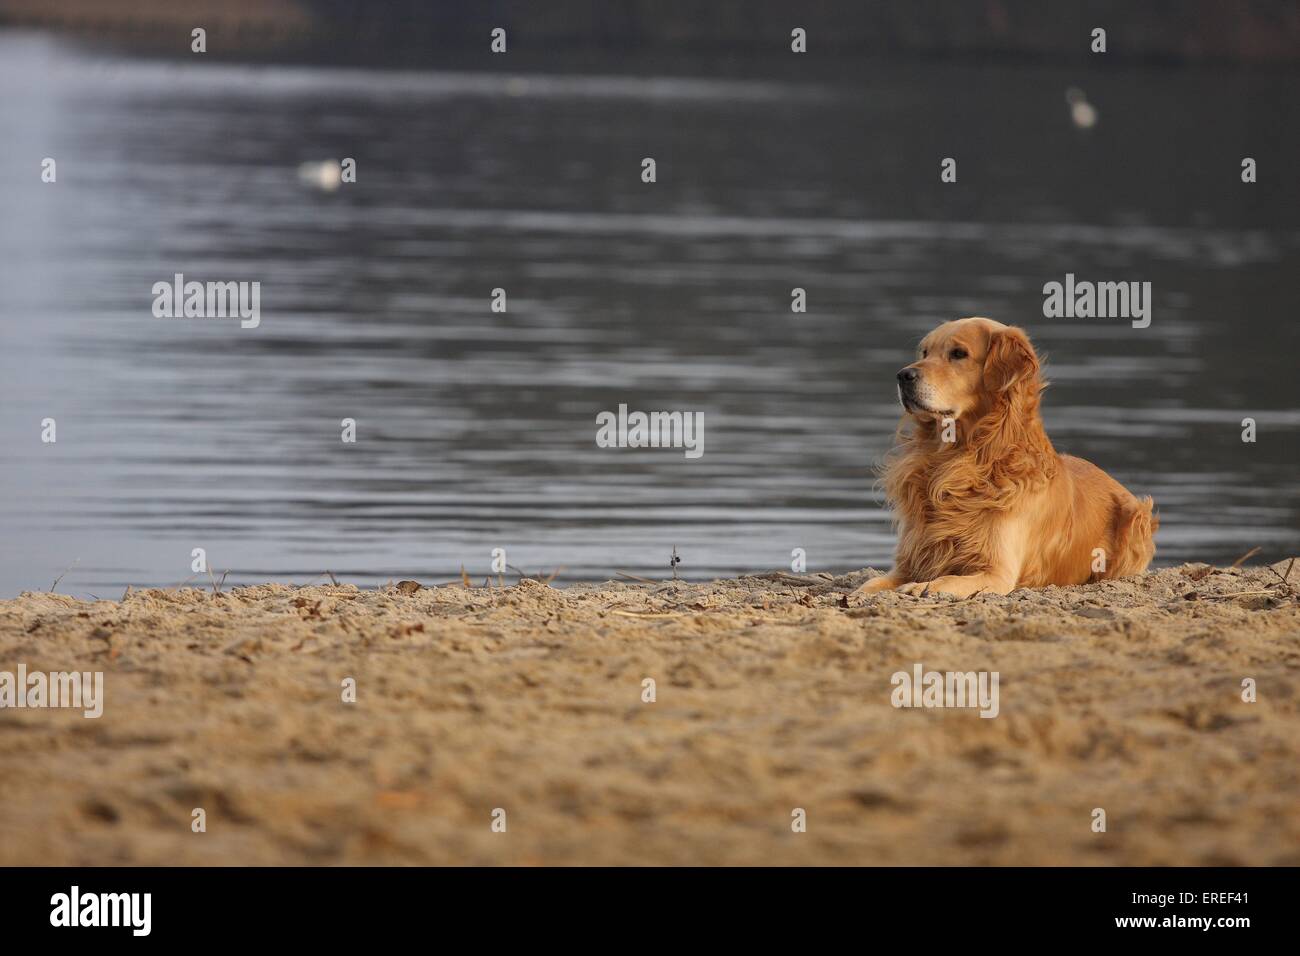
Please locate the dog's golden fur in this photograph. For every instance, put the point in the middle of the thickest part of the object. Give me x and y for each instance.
(994, 507)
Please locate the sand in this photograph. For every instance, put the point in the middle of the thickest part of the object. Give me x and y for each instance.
(771, 695)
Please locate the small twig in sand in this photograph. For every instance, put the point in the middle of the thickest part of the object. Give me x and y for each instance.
(1245, 557)
(464, 578)
(1237, 594)
(1285, 578)
(633, 577)
(646, 614)
(65, 571)
(521, 574)
(127, 593)
(553, 575)
(333, 580)
(675, 561)
(784, 577)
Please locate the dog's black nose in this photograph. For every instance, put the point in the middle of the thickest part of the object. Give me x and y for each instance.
(907, 376)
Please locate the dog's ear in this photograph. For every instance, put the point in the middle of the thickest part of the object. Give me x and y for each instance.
(1010, 361)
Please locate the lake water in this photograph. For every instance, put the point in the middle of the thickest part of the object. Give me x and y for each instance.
(476, 429)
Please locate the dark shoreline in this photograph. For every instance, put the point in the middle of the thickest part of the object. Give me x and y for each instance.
(735, 39)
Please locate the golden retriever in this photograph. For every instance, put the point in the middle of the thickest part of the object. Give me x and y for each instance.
(982, 501)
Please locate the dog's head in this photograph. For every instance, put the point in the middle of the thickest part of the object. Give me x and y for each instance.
(967, 367)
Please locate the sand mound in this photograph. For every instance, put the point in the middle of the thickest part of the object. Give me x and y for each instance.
(771, 695)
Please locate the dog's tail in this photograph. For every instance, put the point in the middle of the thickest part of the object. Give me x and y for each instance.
(1133, 537)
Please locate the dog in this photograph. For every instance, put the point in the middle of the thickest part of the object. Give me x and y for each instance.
(981, 499)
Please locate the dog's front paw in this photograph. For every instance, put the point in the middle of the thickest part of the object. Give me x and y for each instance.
(881, 582)
(915, 588)
(958, 585)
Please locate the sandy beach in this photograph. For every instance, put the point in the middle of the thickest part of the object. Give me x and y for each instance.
(771, 695)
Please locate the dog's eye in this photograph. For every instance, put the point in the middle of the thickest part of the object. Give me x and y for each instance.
(924, 352)
(956, 354)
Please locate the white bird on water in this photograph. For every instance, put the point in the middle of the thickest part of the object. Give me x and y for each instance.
(1082, 113)
(325, 175)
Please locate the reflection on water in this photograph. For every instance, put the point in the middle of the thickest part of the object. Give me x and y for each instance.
(476, 429)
